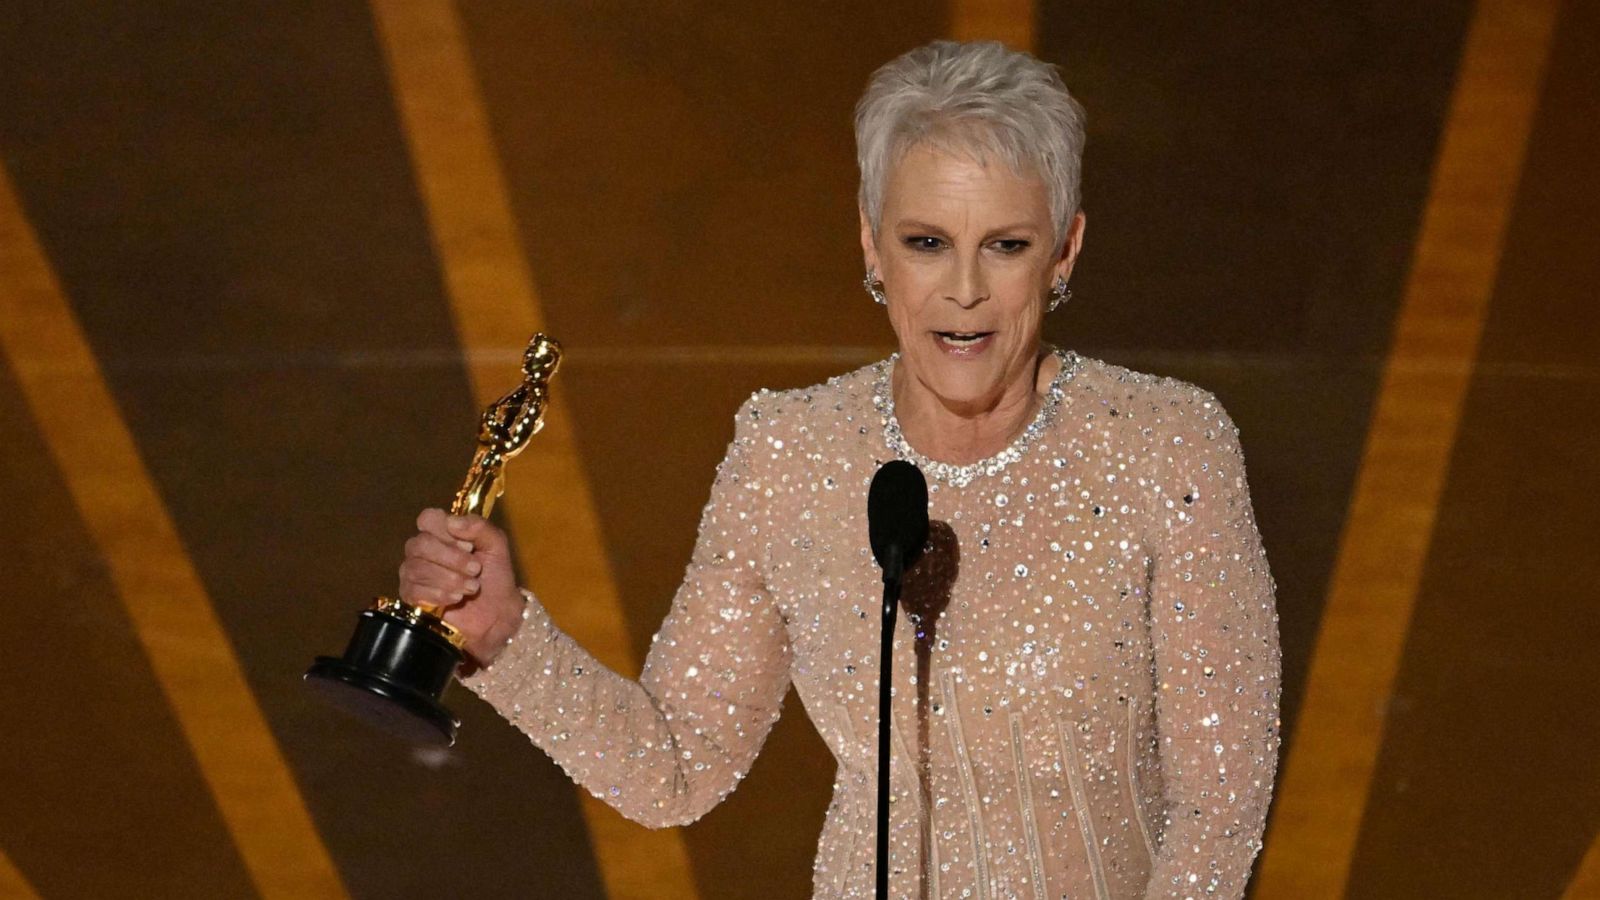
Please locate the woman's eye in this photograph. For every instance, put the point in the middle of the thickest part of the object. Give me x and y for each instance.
(1011, 245)
(924, 242)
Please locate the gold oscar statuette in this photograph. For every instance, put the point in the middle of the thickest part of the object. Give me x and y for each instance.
(402, 656)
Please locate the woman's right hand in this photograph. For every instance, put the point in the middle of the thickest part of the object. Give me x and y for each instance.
(462, 564)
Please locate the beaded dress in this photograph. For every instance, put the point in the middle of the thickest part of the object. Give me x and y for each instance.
(1086, 669)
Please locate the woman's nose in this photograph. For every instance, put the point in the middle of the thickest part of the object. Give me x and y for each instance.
(969, 285)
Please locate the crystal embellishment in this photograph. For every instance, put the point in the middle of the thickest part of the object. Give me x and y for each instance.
(961, 476)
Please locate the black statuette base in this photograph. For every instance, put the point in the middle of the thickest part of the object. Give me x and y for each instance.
(392, 675)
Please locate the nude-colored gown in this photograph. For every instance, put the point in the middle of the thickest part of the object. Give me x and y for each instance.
(1093, 713)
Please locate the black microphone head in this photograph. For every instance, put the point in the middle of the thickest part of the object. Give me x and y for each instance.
(897, 515)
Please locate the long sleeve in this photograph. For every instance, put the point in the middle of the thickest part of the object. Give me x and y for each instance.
(665, 749)
(1217, 665)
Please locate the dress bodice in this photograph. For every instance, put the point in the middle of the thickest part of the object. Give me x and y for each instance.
(1085, 671)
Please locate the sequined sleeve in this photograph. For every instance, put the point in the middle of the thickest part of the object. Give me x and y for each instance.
(665, 749)
(1215, 635)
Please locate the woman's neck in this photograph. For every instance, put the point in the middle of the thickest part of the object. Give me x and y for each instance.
(960, 436)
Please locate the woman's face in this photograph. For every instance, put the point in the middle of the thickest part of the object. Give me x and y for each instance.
(966, 255)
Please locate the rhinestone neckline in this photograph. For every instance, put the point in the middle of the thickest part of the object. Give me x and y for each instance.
(961, 476)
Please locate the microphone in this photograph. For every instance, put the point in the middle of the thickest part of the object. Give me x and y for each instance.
(897, 526)
(897, 517)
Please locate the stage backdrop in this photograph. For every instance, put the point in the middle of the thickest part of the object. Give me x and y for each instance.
(261, 262)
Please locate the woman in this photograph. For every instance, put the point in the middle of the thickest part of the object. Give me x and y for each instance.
(1088, 703)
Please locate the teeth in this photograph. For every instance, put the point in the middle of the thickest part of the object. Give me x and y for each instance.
(962, 337)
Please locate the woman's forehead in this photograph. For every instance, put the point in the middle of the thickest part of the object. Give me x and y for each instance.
(929, 179)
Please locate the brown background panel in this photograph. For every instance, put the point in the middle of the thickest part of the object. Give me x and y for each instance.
(102, 797)
(1487, 783)
(1254, 178)
(225, 193)
(684, 173)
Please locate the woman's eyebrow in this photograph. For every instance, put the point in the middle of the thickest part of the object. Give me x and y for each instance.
(1022, 228)
(1016, 228)
(910, 225)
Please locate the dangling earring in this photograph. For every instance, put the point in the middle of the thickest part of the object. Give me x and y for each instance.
(1059, 294)
(875, 287)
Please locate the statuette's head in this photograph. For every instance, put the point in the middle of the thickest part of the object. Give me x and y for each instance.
(970, 156)
(542, 358)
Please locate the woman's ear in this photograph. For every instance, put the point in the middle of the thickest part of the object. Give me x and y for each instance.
(1071, 246)
(869, 243)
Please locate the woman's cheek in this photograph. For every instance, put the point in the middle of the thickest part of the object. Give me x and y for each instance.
(906, 319)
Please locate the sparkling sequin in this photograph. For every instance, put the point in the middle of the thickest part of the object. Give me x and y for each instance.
(1098, 705)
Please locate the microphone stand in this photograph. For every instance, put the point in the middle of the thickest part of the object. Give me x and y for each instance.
(892, 573)
(897, 525)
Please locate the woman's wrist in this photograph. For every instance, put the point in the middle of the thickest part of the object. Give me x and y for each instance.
(518, 623)
(499, 639)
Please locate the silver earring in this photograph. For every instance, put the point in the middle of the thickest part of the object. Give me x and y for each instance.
(875, 287)
(1059, 294)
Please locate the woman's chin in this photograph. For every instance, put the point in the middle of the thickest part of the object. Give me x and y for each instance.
(967, 388)
(961, 378)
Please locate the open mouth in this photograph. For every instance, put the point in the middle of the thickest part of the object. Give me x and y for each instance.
(962, 338)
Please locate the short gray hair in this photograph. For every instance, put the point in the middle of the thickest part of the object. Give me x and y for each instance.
(981, 98)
